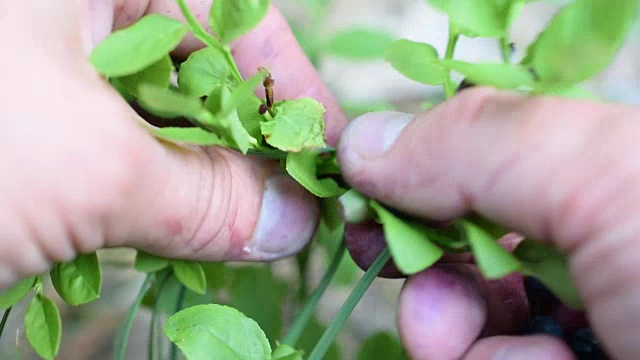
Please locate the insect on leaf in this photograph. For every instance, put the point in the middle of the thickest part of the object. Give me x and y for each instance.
(212, 331)
(417, 61)
(78, 281)
(410, 248)
(43, 326)
(132, 49)
(230, 19)
(298, 125)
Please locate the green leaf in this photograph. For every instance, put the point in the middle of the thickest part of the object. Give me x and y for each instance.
(148, 263)
(172, 104)
(249, 115)
(355, 207)
(236, 133)
(198, 31)
(230, 19)
(382, 345)
(265, 309)
(473, 17)
(79, 281)
(493, 260)
(502, 76)
(11, 296)
(286, 352)
(417, 61)
(360, 43)
(204, 70)
(581, 40)
(216, 274)
(302, 167)
(572, 92)
(188, 135)
(138, 46)
(217, 332)
(410, 248)
(298, 125)
(157, 74)
(551, 268)
(191, 274)
(43, 326)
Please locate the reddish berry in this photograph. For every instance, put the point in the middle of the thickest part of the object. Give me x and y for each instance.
(262, 109)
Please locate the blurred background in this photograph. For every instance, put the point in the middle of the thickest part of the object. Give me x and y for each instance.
(330, 31)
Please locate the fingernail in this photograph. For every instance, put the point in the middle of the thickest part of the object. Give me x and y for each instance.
(373, 134)
(288, 219)
(525, 351)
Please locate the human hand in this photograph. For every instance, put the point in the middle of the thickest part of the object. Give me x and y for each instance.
(80, 173)
(552, 169)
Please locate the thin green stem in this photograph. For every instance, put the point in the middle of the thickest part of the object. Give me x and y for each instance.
(174, 349)
(5, 317)
(304, 318)
(232, 63)
(123, 338)
(154, 319)
(454, 35)
(338, 321)
(302, 261)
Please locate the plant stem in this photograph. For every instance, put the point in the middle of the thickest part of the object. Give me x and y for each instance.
(302, 320)
(302, 260)
(123, 338)
(154, 319)
(174, 349)
(505, 50)
(338, 321)
(454, 34)
(4, 320)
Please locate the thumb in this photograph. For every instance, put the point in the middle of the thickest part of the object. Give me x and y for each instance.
(550, 168)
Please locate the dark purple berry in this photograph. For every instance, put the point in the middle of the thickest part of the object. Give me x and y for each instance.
(541, 300)
(263, 109)
(585, 345)
(545, 325)
(365, 242)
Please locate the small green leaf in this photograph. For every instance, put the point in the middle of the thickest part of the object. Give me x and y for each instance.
(149, 263)
(265, 309)
(132, 49)
(286, 352)
(417, 61)
(249, 115)
(382, 345)
(355, 207)
(493, 260)
(410, 248)
(192, 135)
(551, 268)
(43, 326)
(360, 43)
(191, 274)
(581, 40)
(230, 19)
(502, 76)
(11, 296)
(236, 133)
(473, 17)
(298, 125)
(79, 281)
(573, 92)
(157, 74)
(302, 167)
(204, 70)
(171, 104)
(217, 332)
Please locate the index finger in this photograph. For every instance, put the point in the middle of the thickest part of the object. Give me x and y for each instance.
(271, 44)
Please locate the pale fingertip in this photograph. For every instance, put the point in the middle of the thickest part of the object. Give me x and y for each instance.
(535, 347)
(288, 219)
(441, 312)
